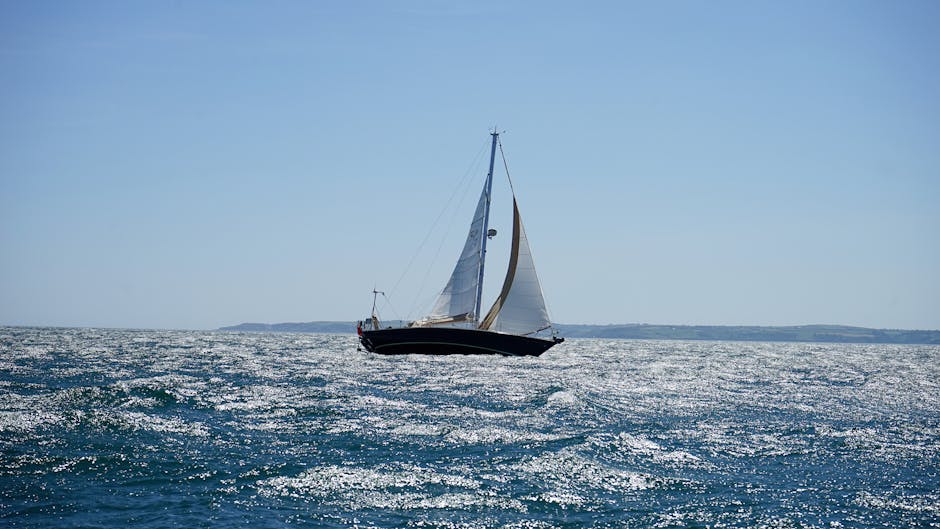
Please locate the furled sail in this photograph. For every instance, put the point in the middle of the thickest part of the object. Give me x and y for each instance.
(458, 299)
(520, 307)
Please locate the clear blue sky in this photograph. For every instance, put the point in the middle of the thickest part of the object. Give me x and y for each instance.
(198, 164)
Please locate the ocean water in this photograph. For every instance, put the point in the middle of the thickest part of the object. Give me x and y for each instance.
(115, 428)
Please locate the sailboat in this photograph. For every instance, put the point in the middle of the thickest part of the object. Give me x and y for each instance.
(456, 324)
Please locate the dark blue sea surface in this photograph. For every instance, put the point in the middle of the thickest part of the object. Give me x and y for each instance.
(115, 428)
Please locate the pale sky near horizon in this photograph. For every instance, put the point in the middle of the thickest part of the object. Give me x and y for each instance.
(200, 164)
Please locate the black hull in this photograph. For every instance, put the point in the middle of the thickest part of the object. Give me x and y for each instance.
(450, 341)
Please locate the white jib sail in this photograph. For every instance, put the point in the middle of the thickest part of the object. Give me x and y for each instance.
(458, 299)
(520, 307)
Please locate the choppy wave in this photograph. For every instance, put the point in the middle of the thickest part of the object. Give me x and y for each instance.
(160, 428)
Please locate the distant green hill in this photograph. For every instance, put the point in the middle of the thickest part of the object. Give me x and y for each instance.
(801, 333)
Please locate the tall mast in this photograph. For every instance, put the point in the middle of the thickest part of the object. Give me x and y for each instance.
(486, 223)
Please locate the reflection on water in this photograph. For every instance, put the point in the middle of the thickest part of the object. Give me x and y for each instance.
(157, 428)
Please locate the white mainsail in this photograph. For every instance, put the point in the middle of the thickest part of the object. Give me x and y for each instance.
(520, 307)
(458, 299)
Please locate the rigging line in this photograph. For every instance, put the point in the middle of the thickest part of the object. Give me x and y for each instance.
(437, 253)
(434, 224)
(464, 184)
(426, 301)
(538, 330)
(388, 303)
(505, 165)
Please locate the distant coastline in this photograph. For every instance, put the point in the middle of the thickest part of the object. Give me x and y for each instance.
(641, 331)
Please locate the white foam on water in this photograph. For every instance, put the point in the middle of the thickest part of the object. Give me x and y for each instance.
(409, 429)
(563, 398)
(373, 402)
(154, 423)
(386, 487)
(625, 444)
(568, 470)
(69, 466)
(331, 479)
(254, 398)
(564, 499)
(496, 435)
(23, 421)
(180, 387)
(915, 503)
(140, 402)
